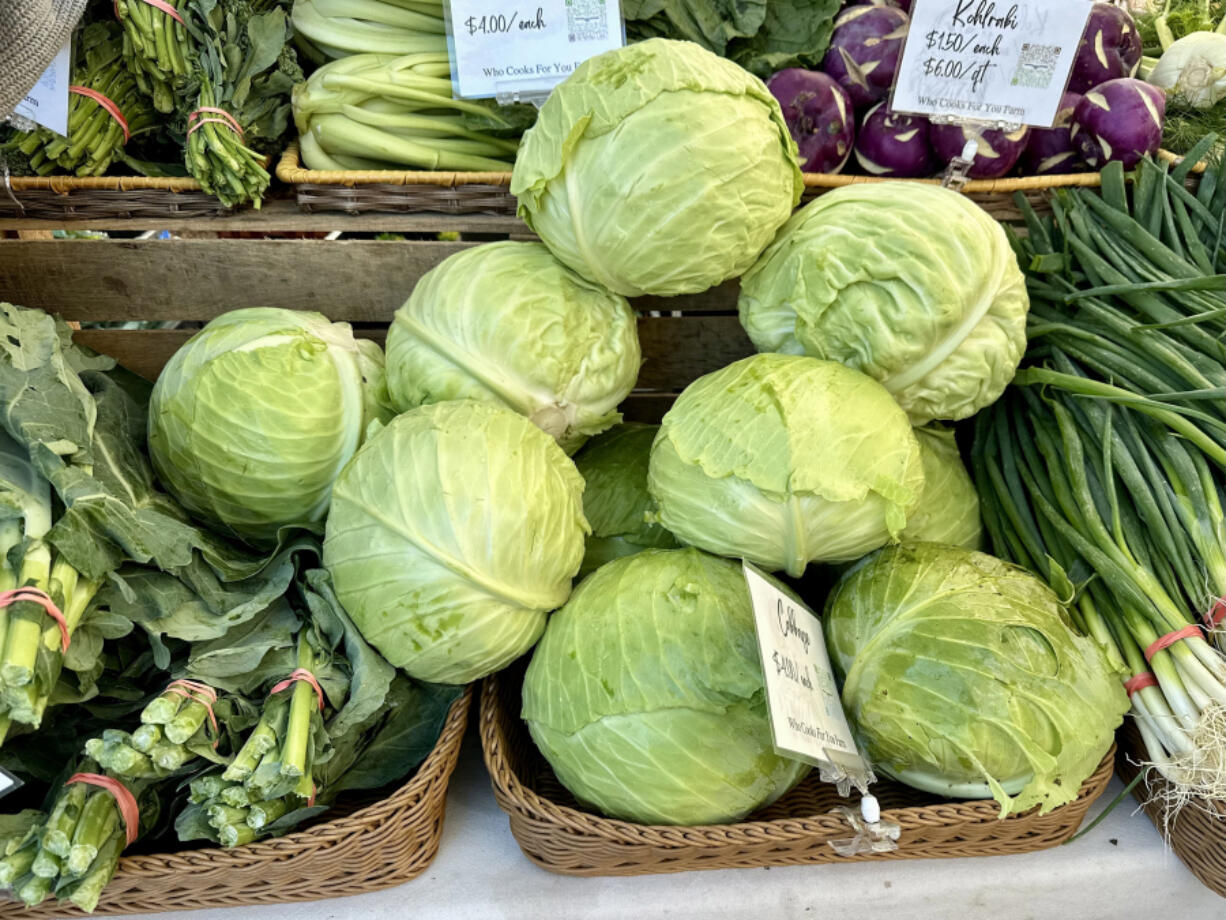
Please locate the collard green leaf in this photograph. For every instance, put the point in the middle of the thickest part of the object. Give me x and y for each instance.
(795, 33)
(710, 23)
(393, 743)
(369, 675)
(250, 654)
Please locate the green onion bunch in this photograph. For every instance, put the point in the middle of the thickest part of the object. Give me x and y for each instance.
(1104, 467)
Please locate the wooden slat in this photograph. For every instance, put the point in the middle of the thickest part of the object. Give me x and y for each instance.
(284, 215)
(676, 350)
(198, 279)
(359, 281)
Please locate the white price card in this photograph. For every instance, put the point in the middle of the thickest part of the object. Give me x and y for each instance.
(806, 715)
(47, 102)
(8, 782)
(980, 60)
(521, 49)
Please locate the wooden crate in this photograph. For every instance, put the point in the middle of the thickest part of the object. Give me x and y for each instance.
(361, 282)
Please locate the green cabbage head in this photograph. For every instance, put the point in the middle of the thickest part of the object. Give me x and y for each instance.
(912, 284)
(453, 533)
(252, 419)
(948, 510)
(658, 168)
(509, 324)
(963, 677)
(616, 502)
(785, 460)
(646, 696)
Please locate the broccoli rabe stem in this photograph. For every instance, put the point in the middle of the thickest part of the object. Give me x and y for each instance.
(145, 737)
(31, 660)
(186, 722)
(298, 733)
(85, 892)
(17, 864)
(261, 814)
(162, 709)
(98, 819)
(58, 831)
(261, 740)
(24, 631)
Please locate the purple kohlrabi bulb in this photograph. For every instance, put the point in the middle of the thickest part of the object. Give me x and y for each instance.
(996, 152)
(1121, 121)
(864, 51)
(1110, 48)
(894, 146)
(1050, 150)
(819, 115)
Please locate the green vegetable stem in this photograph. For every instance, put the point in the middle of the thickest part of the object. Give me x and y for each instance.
(96, 137)
(75, 851)
(39, 582)
(157, 48)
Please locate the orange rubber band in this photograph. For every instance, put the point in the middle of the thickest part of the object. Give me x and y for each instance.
(311, 800)
(43, 599)
(128, 809)
(226, 119)
(1216, 614)
(1140, 682)
(304, 675)
(202, 693)
(1188, 632)
(111, 108)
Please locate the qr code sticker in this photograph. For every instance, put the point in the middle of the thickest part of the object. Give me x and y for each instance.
(587, 20)
(1036, 66)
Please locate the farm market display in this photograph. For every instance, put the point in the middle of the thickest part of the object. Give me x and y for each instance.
(992, 457)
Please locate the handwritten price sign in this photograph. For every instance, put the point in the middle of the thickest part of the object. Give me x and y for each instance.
(978, 60)
(504, 50)
(806, 715)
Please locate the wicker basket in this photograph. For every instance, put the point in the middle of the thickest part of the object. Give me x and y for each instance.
(410, 191)
(376, 846)
(557, 835)
(1197, 832)
(996, 196)
(400, 191)
(105, 198)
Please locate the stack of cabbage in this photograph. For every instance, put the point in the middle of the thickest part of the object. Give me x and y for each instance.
(457, 527)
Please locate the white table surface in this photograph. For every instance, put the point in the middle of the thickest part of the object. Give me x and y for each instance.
(1120, 871)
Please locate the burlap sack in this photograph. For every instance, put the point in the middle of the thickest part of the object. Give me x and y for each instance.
(31, 32)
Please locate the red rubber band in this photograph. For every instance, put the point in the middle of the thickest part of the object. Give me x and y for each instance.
(43, 599)
(1188, 632)
(128, 809)
(111, 108)
(311, 800)
(1216, 614)
(226, 119)
(198, 692)
(157, 5)
(1140, 682)
(305, 675)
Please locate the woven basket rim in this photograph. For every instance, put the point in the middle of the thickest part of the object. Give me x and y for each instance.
(1196, 833)
(63, 185)
(513, 794)
(291, 172)
(321, 835)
